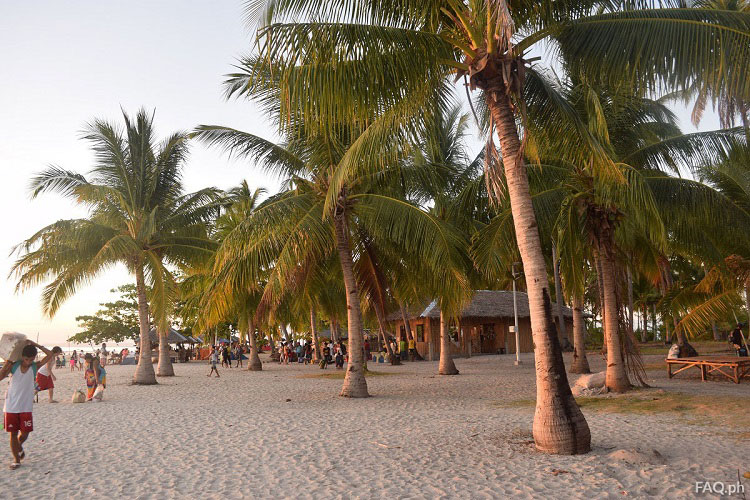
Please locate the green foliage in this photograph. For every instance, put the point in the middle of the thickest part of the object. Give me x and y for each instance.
(116, 321)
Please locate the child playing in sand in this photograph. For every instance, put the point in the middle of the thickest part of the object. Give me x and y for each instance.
(213, 358)
(19, 399)
(45, 379)
(90, 376)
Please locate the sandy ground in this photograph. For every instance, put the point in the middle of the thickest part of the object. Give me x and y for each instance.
(280, 434)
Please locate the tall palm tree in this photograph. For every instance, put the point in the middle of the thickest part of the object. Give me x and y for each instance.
(336, 62)
(292, 232)
(139, 216)
(220, 299)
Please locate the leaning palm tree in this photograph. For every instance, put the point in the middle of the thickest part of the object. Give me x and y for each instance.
(336, 62)
(139, 216)
(219, 299)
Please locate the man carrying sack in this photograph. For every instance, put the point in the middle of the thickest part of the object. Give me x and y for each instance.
(19, 399)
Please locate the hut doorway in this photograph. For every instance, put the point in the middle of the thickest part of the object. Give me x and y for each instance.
(487, 337)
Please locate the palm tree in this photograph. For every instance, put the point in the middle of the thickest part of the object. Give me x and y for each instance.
(139, 216)
(222, 298)
(336, 63)
(293, 232)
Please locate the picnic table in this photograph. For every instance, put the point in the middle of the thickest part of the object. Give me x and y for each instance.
(732, 367)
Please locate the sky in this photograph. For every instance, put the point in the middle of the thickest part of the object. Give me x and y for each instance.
(65, 63)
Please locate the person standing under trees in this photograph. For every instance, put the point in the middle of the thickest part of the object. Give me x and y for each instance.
(213, 359)
(737, 341)
(73, 361)
(103, 355)
(19, 399)
(239, 351)
(45, 379)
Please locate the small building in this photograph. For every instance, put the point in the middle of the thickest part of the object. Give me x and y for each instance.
(484, 325)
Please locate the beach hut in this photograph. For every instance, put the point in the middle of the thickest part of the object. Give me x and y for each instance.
(173, 337)
(483, 327)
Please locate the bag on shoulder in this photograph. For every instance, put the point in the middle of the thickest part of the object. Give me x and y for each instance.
(79, 396)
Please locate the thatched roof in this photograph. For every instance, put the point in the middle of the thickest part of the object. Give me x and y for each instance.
(484, 304)
(174, 337)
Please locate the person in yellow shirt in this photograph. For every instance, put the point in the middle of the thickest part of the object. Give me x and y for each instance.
(412, 349)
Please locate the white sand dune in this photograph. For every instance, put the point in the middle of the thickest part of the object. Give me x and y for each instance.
(421, 436)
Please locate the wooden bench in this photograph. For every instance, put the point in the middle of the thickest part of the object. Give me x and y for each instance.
(732, 367)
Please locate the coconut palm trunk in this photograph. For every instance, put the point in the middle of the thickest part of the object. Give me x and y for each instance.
(165, 368)
(254, 363)
(562, 330)
(616, 376)
(580, 362)
(355, 385)
(407, 326)
(383, 327)
(409, 332)
(559, 426)
(314, 334)
(144, 372)
(446, 366)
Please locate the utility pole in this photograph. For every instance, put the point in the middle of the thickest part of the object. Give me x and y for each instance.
(516, 275)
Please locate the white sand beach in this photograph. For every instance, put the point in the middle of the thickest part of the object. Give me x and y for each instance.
(278, 434)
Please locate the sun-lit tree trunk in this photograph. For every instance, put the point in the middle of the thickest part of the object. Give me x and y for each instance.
(446, 366)
(314, 334)
(144, 372)
(559, 426)
(616, 377)
(562, 330)
(254, 364)
(334, 329)
(383, 327)
(355, 385)
(580, 362)
(284, 333)
(271, 342)
(407, 325)
(164, 368)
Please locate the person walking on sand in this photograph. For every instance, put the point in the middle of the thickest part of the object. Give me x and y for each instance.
(81, 361)
(73, 361)
(45, 379)
(225, 359)
(213, 358)
(339, 357)
(19, 399)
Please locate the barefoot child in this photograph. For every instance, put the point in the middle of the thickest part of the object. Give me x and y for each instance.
(45, 379)
(213, 359)
(19, 400)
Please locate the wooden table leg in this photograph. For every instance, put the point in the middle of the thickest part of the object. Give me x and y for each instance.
(736, 374)
(703, 373)
(669, 370)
